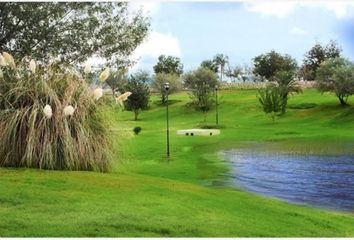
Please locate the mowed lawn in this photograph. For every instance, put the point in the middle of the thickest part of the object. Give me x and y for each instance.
(147, 195)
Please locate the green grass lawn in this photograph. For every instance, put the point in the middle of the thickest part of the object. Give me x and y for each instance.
(146, 195)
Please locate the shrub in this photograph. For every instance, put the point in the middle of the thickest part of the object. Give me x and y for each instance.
(137, 130)
(272, 100)
(49, 119)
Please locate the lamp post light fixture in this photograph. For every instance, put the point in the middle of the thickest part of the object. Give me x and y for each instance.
(216, 105)
(167, 87)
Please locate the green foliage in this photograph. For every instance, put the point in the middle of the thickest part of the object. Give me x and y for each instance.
(70, 30)
(159, 81)
(168, 65)
(139, 99)
(210, 64)
(136, 130)
(268, 64)
(202, 83)
(286, 85)
(315, 56)
(234, 73)
(33, 138)
(336, 75)
(117, 80)
(221, 60)
(271, 99)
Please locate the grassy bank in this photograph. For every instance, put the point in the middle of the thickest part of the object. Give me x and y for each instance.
(146, 195)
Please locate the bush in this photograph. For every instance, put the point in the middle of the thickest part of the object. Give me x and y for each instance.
(50, 120)
(272, 100)
(137, 130)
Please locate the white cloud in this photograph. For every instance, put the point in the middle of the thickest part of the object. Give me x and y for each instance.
(275, 8)
(155, 45)
(341, 9)
(297, 31)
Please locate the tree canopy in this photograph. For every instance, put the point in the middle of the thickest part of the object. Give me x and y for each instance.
(336, 75)
(315, 56)
(268, 64)
(169, 65)
(71, 31)
(139, 99)
(210, 64)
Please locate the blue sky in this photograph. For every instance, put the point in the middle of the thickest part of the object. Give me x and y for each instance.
(196, 31)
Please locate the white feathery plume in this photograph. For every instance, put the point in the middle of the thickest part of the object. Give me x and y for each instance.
(69, 110)
(98, 93)
(47, 110)
(104, 75)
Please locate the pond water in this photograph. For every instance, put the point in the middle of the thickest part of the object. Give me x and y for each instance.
(321, 181)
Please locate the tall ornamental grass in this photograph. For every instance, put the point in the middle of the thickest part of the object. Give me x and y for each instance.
(50, 119)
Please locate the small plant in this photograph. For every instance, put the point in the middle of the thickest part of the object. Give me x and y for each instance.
(271, 100)
(137, 130)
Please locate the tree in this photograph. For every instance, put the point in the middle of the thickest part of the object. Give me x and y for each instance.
(315, 56)
(271, 100)
(336, 75)
(169, 65)
(221, 60)
(202, 82)
(286, 86)
(71, 31)
(210, 64)
(117, 80)
(234, 73)
(266, 65)
(159, 81)
(139, 99)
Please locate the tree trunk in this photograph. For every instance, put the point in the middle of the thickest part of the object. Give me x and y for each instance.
(342, 100)
(136, 113)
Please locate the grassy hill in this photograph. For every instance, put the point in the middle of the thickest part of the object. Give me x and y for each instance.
(146, 195)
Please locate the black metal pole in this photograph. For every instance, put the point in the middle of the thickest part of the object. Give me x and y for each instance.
(216, 107)
(168, 130)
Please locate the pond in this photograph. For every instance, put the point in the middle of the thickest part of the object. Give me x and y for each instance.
(316, 180)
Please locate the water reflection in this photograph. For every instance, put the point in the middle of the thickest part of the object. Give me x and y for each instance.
(324, 181)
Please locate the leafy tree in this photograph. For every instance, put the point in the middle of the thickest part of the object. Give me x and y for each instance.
(266, 65)
(234, 73)
(169, 65)
(139, 99)
(336, 75)
(71, 31)
(159, 81)
(117, 80)
(210, 64)
(315, 56)
(286, 85)
(221, 60)
(202, 82)
(271, 100)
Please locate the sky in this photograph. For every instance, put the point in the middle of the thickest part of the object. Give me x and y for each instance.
(196, 31)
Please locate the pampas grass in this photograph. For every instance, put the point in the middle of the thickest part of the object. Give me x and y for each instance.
(50, 119)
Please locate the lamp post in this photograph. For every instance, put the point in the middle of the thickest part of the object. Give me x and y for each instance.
(216, 105)
(167, 87)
